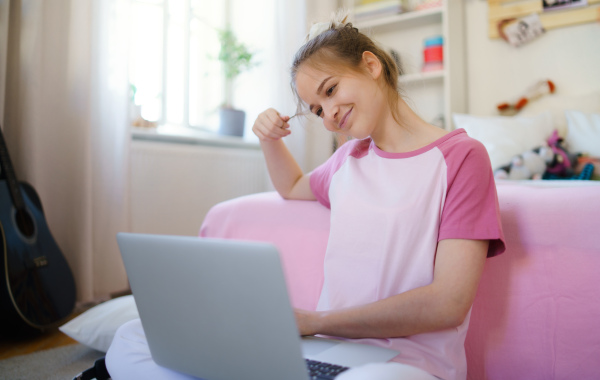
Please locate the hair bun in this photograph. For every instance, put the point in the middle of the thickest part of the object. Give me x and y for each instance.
(337, 21)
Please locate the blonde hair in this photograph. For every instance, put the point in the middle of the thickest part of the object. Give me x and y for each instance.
(337, 42)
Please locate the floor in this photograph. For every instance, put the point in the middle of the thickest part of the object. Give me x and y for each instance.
(50, 339)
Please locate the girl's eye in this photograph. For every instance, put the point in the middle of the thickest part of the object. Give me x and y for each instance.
(330, 90)
(319, 112)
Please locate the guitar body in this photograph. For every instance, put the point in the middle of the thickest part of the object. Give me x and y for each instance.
(37, 289)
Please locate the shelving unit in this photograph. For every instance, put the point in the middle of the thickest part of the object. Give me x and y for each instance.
(434, 93)
(421, 77)
(404, 19)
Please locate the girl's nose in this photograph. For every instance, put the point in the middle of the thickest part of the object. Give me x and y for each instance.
(331, 112)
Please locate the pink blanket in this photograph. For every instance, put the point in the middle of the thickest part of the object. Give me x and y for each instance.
(537, 308)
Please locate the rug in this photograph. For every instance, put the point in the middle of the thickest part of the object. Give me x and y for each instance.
(61, 363)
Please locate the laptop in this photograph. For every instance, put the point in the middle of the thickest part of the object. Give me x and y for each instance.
(219, 309)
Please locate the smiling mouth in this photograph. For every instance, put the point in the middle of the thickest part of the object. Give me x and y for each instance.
(345, 119)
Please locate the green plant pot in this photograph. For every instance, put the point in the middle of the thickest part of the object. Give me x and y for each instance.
(231, 122)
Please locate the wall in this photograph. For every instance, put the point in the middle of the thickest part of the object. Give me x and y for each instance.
(498, 72)
(173, 185)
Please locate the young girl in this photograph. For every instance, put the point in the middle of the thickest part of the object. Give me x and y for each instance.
(414, 214)
(414, 211)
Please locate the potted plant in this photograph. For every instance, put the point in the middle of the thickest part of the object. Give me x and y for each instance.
(236, 58)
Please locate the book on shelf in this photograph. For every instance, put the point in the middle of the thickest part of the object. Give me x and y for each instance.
(374, 9)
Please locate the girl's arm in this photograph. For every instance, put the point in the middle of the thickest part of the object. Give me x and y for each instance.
(443, 304)
(285, 173)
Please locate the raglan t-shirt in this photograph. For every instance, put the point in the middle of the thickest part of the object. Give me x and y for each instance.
(388, 213)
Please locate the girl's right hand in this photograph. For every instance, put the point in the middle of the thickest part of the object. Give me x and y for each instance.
(271, 126)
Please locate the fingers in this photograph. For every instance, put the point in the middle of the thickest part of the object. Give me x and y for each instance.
(271, 126)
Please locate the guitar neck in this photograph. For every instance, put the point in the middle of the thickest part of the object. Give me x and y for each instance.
(9, 174)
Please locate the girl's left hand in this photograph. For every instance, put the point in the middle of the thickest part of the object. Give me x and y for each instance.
(307, 321)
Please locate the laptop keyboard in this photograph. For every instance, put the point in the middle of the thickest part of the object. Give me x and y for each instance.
(323, 371)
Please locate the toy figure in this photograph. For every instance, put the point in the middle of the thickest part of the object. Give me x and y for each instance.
(534, 92)
(564, 162)
(529, 165)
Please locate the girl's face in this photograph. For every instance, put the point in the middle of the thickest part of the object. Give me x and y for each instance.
(349, 103)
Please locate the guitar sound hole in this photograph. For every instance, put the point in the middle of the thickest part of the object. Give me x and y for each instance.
(25, 223)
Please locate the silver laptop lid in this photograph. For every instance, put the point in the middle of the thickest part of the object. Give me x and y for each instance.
(212, 308)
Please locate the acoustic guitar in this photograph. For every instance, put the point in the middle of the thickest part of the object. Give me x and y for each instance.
(37, 289)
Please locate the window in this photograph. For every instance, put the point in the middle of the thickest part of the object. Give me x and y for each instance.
(173, 75)
(173, 67)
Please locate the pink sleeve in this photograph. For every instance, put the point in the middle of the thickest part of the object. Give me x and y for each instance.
(471, 208)
(320, 178)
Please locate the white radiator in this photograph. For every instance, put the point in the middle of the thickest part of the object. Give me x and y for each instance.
(173, 185)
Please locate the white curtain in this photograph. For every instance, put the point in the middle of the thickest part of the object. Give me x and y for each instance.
(310, 142)
(268, 84)
(290, 32)
(274, 42)
(65, 123)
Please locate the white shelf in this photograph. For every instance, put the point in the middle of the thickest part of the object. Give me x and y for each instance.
(433, 93)
(407, 19)
(422, 77)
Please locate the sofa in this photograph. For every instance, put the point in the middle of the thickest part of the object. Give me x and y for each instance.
(537, 309)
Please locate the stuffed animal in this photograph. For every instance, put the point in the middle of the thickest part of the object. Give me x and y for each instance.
(529, 165)
(564, 162)
(537, 161)
(536, 91)
(515, 170)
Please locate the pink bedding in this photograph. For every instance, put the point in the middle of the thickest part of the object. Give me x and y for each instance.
(299, 229)
(537, 308)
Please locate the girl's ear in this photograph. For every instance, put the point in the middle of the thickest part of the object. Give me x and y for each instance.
(372, 64)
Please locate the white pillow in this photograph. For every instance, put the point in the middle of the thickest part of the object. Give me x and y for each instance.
(96, 327)
(583, 133)
(557, 104)
(506, 136)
